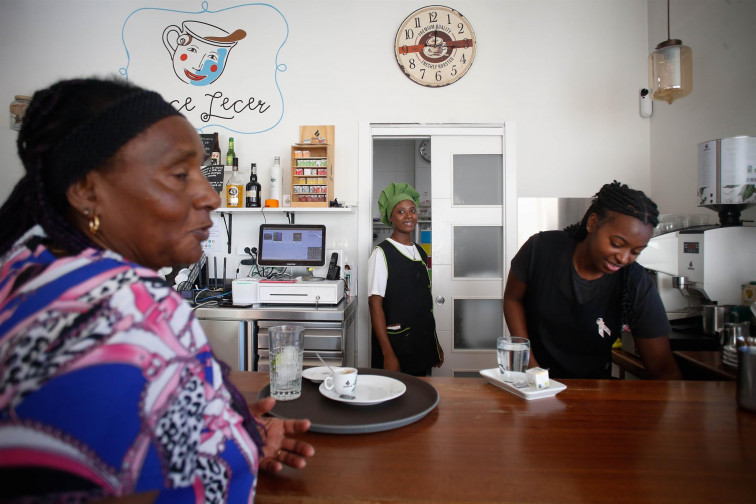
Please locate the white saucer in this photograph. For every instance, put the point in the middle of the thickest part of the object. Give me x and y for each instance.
(370, 389)
(316, 374)
(494, 377)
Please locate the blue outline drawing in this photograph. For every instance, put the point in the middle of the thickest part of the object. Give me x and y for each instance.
(278, 67)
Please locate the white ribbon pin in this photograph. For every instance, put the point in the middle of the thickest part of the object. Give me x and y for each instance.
(603, 330)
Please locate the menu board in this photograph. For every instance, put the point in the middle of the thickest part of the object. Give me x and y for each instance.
(208, 140)
(214, 175)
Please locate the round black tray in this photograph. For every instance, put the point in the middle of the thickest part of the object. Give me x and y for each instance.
(335, 417)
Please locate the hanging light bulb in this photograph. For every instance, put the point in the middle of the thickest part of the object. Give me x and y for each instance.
(670, 69)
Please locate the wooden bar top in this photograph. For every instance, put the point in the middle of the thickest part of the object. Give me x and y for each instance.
(706, 365)
(620, 441)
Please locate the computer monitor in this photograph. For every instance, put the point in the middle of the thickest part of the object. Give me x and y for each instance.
(291, 245)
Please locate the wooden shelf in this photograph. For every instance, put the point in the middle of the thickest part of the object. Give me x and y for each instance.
(311, 175)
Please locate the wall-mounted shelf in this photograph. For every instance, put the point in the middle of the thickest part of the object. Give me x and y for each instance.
(287, 210)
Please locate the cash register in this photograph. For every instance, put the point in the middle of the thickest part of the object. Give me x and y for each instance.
(292, 245)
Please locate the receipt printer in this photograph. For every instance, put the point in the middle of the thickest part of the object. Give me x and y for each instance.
(244, 291)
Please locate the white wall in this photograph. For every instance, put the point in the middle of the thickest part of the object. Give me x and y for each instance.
(567, 73)
(723, 102)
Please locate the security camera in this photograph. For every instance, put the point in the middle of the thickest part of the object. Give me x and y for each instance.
(646, 104)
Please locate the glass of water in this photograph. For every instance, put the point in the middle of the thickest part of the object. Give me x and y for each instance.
(286, 345)
(513, 353)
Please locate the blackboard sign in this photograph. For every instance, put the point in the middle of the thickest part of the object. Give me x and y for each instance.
(214, 175)
(208, 140)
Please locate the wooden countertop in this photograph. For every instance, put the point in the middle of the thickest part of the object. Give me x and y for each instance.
(694, 364)
(623, 441)
(704, 365)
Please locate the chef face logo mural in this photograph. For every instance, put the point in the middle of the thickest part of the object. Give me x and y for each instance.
(214, 73)
(199, 51)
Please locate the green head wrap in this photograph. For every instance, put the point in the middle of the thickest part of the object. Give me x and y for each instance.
(392, 195)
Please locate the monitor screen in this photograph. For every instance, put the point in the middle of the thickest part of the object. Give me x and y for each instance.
(291, 245)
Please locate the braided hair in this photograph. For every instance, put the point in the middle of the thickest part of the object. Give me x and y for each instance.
(53, 113)
(617, 197)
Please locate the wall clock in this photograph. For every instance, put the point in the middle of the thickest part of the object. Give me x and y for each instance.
(435, 46)
(424, 149)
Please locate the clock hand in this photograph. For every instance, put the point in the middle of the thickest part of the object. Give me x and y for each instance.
(417, 48)
(411, 49)
(460, 43)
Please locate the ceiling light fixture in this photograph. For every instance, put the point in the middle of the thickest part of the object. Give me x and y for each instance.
(670, 69)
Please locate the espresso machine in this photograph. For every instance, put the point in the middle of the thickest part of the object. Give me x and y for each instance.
(702, 265)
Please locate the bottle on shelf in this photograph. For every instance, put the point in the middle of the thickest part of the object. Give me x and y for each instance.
(253, 189)
(275, 180)
(230, 153)
(215, 154)
(235, 187)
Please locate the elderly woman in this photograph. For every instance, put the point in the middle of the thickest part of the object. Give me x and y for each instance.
(108, 386)
(573, 292)
(399, 289)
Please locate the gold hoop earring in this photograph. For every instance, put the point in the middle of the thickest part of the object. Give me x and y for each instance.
(94, 224)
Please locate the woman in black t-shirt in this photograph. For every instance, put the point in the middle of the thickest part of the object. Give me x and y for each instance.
(573, 292)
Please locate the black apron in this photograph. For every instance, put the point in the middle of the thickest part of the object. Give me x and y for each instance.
(408, 307)
(572, 322)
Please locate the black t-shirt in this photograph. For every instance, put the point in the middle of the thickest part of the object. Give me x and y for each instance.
(572, 322)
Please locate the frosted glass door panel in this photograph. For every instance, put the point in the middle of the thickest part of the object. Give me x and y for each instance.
(477, 323)
(477, 179)
(478, 251)
(469, 252)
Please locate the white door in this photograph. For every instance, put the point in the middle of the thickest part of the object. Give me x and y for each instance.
(474, 234)
(469, 259)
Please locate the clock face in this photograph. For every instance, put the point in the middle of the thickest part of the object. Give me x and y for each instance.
(424, 149)
(435, 46)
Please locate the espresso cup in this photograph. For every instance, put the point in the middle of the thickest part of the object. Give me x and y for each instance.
(343, 381)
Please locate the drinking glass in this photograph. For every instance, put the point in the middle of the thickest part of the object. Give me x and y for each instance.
(286, 345)
(513, 354)
(746, 384)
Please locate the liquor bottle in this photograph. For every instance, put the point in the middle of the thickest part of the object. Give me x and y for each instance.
(253, 188)
(230, 153)
(215, 154)
(235, 188)
(275, 180)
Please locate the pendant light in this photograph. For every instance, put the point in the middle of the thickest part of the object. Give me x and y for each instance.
(670, 69)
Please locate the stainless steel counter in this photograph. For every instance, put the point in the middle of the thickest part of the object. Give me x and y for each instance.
(238, 335)
(298, 312)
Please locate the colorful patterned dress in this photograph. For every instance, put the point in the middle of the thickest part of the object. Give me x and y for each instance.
(108, 386)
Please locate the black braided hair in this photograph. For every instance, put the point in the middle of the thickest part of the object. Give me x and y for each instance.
(617, 197)
(52, 114)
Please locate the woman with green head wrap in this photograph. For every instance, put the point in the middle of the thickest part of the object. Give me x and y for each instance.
(401, 307)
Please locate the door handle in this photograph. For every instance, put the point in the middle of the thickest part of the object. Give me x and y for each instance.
(440, 300)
